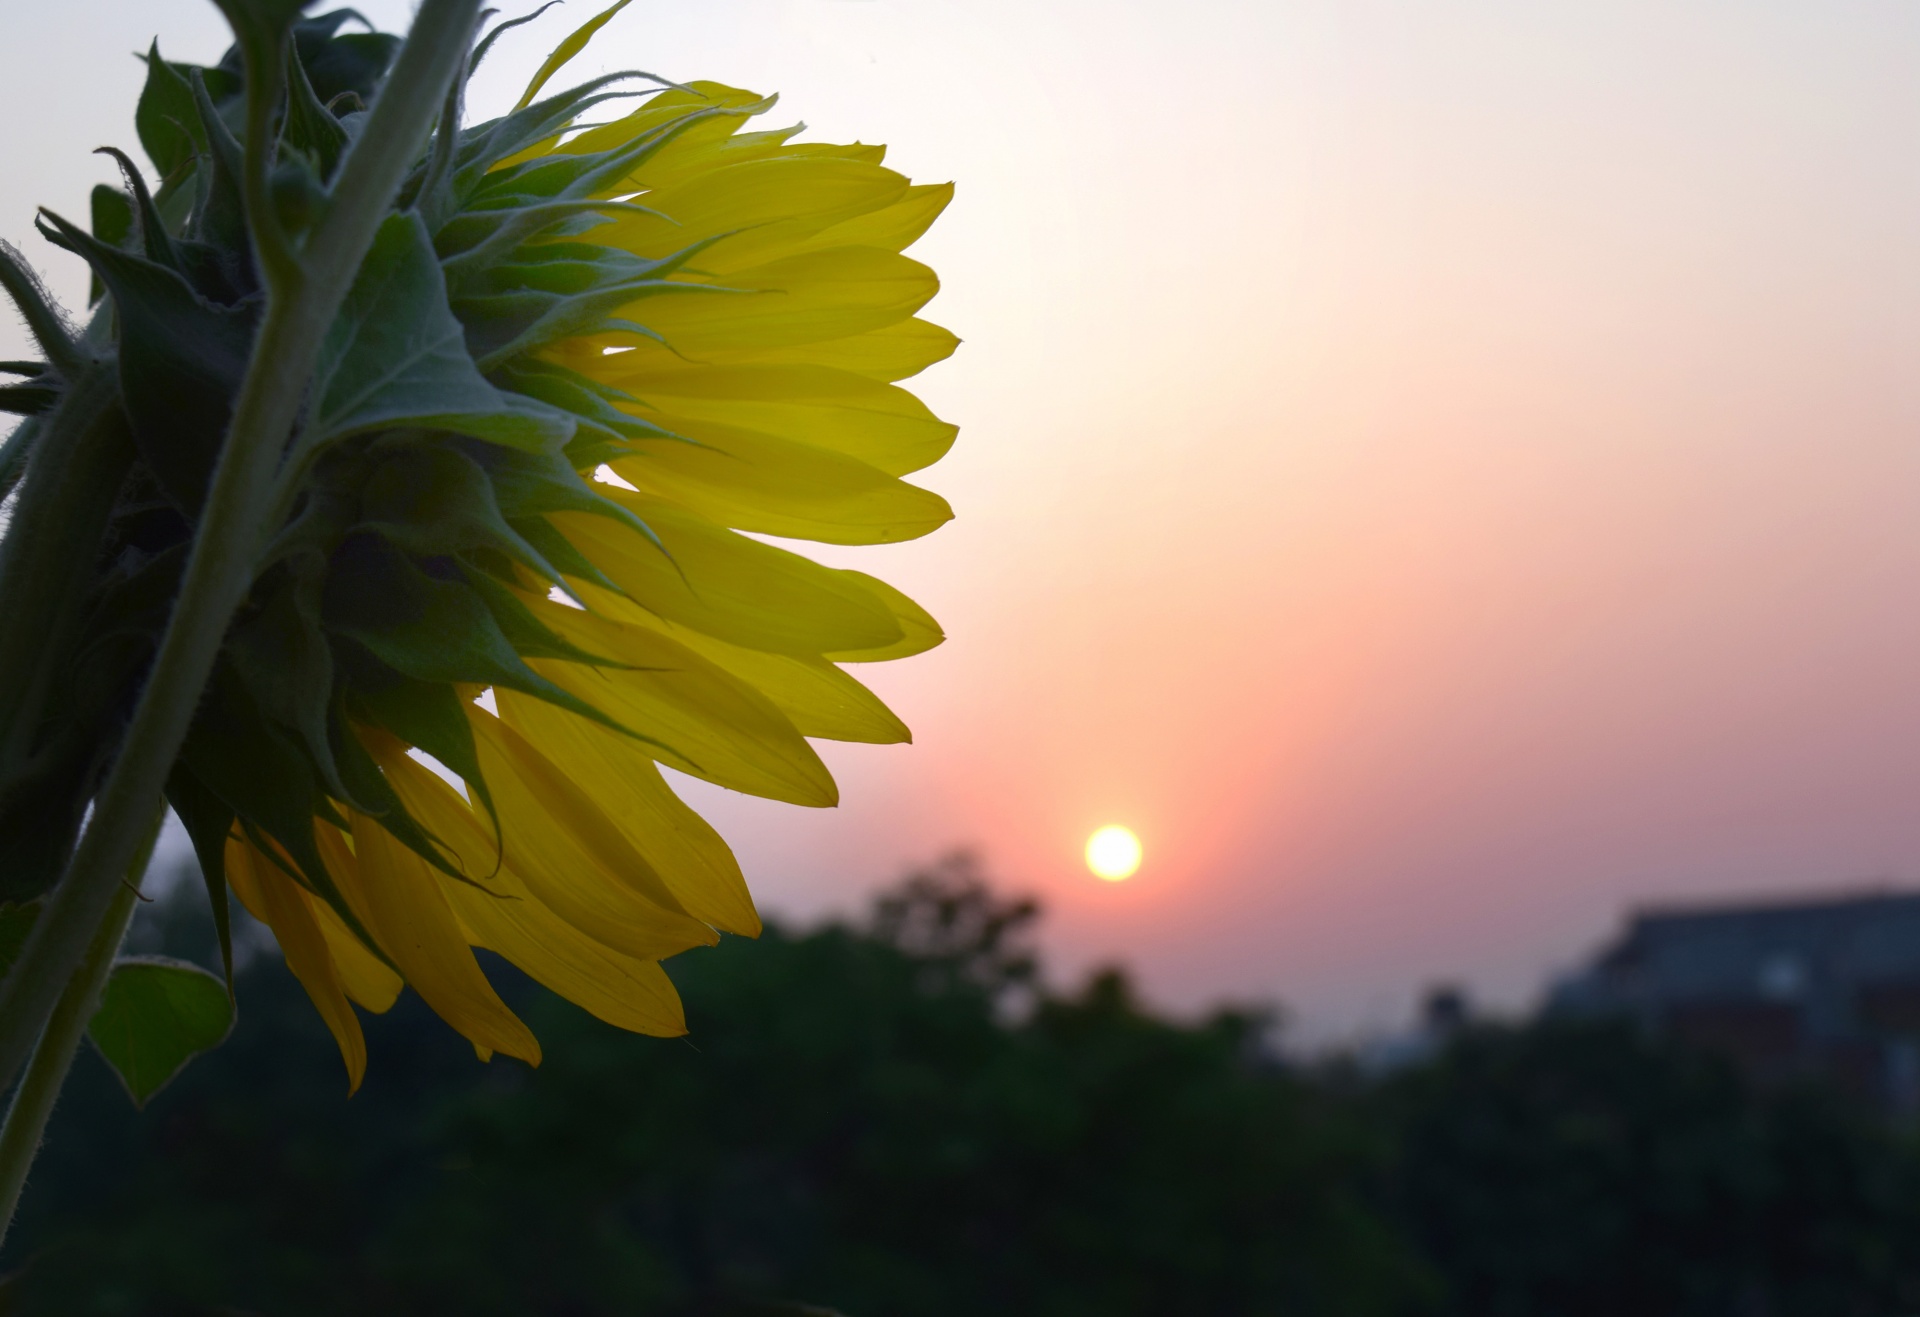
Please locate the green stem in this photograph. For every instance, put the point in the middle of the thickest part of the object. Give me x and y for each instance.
(73, 476)
(237, 517)
(53, 1057)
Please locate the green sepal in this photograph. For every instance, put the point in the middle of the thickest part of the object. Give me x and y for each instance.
(426, 627)
(396, 356)
(258, 772)
(434, 501)
(339, 64)
(475, 238)
(528, 485)
(580, 174)
(209, 822)
(43, 801)
(220, 209)
(560, 551)
(367, 781)
(207, 269)
(487, 144)
(38, 391)
(261, 28)
(16, 921)
(111, 213)
(42, 805)
(281, 652)
(15, 449)
(530, 637)
(165, 120)
(46, 321)
(309, 126)
(560, 291)
(582, 396)
(500, 29)
(422, 713)
(155, 1015)
(181, 361)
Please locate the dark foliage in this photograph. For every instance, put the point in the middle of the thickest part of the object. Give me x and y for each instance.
(1583, 1170)
(896, 1121)
(858, 1121)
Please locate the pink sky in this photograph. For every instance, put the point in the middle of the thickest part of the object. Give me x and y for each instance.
(1441, 474)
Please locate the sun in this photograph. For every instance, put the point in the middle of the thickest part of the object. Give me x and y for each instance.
(1113, 853)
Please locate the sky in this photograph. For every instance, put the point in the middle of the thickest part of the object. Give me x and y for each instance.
(1444, 475)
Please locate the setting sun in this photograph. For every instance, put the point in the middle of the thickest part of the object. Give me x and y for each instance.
(1113, 853)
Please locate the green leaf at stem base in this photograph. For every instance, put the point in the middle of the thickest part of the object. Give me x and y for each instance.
(156, 1015)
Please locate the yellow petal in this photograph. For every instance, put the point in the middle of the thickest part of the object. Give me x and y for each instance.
(891, 353)
(892, 228)
(398, 897)
(550, 864)
(546, 863)
(801, 299)
(819, 699)
(622, 990)
(370, 981)
(770, 486)
(918, 631)
(882, 425)
(729, 586)
(767, 208)
(619, 778)
(279, 903)
(696, 716)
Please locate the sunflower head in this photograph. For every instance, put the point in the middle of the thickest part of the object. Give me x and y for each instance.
(601, 347)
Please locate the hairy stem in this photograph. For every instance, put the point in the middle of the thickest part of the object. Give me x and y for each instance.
(53, 1057)
(73, 475)
(237, 518)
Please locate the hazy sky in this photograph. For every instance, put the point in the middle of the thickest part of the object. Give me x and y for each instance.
(1441, 473)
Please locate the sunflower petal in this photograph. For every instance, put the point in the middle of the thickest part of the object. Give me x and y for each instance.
(281, 905)
(399, 898)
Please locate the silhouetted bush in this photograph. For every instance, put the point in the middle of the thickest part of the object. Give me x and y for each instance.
(898, 1120)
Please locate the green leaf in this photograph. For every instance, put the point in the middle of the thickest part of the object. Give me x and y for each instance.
(396, 356)
(181, 360)
(16, 921)
(155, 1016)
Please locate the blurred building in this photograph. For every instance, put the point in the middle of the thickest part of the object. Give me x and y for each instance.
(1807, 987)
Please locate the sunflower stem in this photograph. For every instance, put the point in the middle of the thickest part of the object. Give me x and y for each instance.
(47, 1072)
(72, 477)
(237, 517)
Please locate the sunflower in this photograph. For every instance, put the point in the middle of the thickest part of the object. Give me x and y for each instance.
(589, 361)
